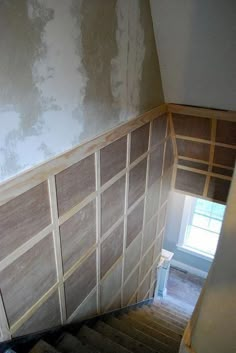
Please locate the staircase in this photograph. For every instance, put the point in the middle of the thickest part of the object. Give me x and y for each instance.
(157, 327)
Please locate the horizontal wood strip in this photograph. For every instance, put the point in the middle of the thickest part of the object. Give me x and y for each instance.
(32, 177)
(209, 142)
(204, 162)
(204, 172)
(202, 112)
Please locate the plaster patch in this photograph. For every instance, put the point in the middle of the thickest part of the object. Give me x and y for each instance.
(127, 66)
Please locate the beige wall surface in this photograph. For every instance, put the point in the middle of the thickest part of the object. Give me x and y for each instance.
(71, 70)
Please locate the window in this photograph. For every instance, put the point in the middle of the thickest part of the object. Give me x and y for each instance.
(201, 226)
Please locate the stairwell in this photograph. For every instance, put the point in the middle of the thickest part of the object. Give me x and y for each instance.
(156, 327)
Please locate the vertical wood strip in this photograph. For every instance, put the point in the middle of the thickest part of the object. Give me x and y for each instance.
(211, 155)
(4, 327)
(125, 214)
(57, 245)
(98, 226)
(173, 137)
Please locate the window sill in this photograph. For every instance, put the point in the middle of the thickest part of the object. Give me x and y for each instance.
(195, 252)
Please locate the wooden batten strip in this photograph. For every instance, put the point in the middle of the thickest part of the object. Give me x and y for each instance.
(211, 156)
(125, 215)
(98, 227)
(205, 162)
(111, 302)
(173, 137)
(202, 112)
(32, 177)
(25, 247)
(208, 142)
(204, 172)
(5, 333)
(200, 196)
(57, 245)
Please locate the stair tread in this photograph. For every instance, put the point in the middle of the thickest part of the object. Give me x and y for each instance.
(140, 336)
(69, 343)
(177, 327)
(95, 339)
(121, 338)
(169, 341)
(157, 324)
(168, 314)
(43, 347)
(173, 308)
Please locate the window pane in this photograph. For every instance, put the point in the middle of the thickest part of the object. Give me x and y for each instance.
(202, 240)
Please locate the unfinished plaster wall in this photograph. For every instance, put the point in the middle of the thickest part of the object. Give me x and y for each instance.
(69, 71)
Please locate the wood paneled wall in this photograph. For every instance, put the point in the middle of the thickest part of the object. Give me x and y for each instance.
(82, 234)
(205, 149)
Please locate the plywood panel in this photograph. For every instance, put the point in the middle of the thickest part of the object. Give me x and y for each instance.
(110, 286)
(222, 171)
(113, 159)
(226, 132)
(218, 189)
(225, 156)
(130, 287)
(112, 204)
(137, 179)
(155, 167)
(75, 183)
(144, 287)
(190, 182)
(78, 234)
(28, 278)
(152, 202)
(23, 217)
(132, 256)
(87, 309)
(116, 303)
(139, 142)
(161, 218)
(192, 149)
(111, 249)
(192, 164)
(134, 223)
(149, 233)
(158, 129)
(146, 263)
(166, 185)
(157, 247)
(169, 155)
(47, 316)
(192, 126)
(80, 283)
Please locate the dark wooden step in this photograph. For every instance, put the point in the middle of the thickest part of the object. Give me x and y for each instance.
(121, 338)
(138, 335)
(43, 347)
(100, 342)
(169, 314)
(69, 343)
(173, 308)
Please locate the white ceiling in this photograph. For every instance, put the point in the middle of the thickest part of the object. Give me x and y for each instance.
(196, 42)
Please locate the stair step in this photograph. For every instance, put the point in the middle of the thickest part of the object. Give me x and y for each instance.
(121, 338)
(169, 314)
(43, 347)
(69, 343)
(161, 317)
(173, 309)
(157, 324)
(137, 335)
(169, 341)
(95, 339)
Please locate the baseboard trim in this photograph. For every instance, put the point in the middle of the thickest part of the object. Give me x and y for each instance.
(190, 269)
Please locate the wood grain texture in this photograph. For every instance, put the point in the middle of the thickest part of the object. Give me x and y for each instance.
(144, 287)
(155, 165)
(169, 155)
(161, 219)
(152, 200)
(137, 178)
(113, 159)
(224, 156)
(193, 149)
(226, 132)
(28, 278)
(159, 127)
(132, 256)
(139, 142)
(149, 233)
(80, 283)
(134, 223)
(192, 126)
(111, 249)
(78, 234)
(87, 309)
(218, 189)
(146, 263)
(130, 287)
(47, 316)
(112, 204)
(190, 182)
(110, 286)
(75, 183)
(166, 185)
(222, 171)
(192, 164)
(23, 217)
